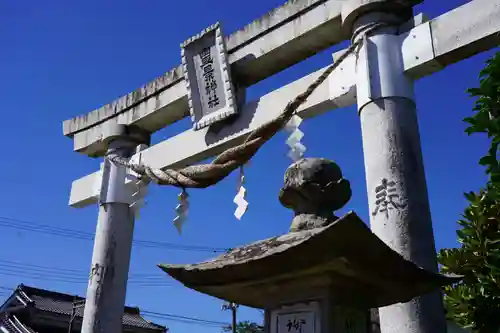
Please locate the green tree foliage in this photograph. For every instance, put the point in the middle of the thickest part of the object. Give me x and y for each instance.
(475, 302)
(246, 327)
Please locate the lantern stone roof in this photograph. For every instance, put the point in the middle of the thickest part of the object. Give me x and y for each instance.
(344, 256)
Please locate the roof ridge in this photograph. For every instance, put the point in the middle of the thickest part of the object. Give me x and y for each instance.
(68, 297)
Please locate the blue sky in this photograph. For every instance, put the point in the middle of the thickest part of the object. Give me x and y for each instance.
(61, 58)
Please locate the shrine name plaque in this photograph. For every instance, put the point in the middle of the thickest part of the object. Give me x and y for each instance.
(210, 90)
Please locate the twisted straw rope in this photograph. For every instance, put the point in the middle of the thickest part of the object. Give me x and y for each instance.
(205, 175)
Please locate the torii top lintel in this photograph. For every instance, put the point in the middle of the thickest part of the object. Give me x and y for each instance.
(255, 53)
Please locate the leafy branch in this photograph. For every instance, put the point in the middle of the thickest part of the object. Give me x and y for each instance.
(475, 302)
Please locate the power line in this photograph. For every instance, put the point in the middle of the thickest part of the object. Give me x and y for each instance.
(9, 222)
(13, 268)
(187, 321)
(57, 274)
(68, 279)
(184, 319)
(68, 270)
(77, 234)
(152, 313)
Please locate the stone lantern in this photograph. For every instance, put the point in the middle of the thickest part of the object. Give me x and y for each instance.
(324, 274)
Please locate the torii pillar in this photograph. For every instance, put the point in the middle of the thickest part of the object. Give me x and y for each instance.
(397, 190)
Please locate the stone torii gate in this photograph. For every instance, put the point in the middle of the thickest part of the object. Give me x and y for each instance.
(379, 78)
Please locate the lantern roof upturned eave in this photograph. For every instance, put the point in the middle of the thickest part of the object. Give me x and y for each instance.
(345, 258)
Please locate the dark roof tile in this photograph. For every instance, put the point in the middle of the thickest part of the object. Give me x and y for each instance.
(12, 324)
(55, 302)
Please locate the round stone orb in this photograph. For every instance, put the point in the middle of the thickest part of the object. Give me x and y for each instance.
(314, 186)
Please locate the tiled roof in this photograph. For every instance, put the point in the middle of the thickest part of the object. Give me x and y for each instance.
(12, 324)
(55, 302)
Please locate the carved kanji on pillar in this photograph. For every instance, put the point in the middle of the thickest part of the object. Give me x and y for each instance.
(387, 198)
